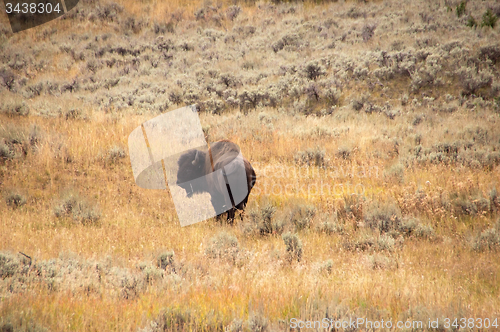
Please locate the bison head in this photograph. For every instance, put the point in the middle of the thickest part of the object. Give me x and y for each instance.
(191, 166)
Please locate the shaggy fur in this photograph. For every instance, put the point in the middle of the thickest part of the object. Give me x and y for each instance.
(195, 164)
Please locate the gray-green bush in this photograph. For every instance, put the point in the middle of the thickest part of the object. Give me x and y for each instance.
(223, 246)
(311, 157)
(301, 216)
(71, 204)
(293, 246)
(383, 216)
(488, 239)
(166, 260)
(15, 199)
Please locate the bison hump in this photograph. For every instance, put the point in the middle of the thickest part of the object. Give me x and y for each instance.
(233, 165)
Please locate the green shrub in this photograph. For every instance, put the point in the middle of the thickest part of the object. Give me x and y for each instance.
(380, 262)
(397, 172)
(35, 135)
(5, 152)
(27, 324)
(494, 200)
(330, 227)
(472, 79)
(15, 141)
(363, 244)
(172, 319)
(257, 323)
(262, 220)
(151, 273)
(368, 31)
(15, 200)
(471, 22)
(9, 265)
(130, 286)
(491, 52)
(385, 243)
(293, 246)
(301, 216)
(357, 104)
(424, 232)
(313, 70)
(311, 157)
(461, 8)
(326, 267)
(411, 227)
(78, 208)
(344, 153)
(6, 327)
(223, 246)
(115, 153)
(417, 119)
(73, 114)
(383, 216)
(370, 243)
(15, 109)
(235, 326)
(469, 204)
(266, 217)
(487, 240)
(489, 19)
(165, 260)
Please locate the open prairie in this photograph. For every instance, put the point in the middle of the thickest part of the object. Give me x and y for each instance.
(373, 127)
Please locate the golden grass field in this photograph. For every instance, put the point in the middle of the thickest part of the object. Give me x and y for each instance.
(395, 205)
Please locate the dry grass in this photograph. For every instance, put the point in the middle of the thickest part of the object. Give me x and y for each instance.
(138, 224)
(385, 182)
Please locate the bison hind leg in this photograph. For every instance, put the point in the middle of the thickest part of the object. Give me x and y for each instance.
(230, 216)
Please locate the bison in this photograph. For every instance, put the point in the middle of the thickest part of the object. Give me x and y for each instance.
(226, 159)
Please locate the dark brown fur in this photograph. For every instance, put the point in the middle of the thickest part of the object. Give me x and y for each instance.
(223, 152)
